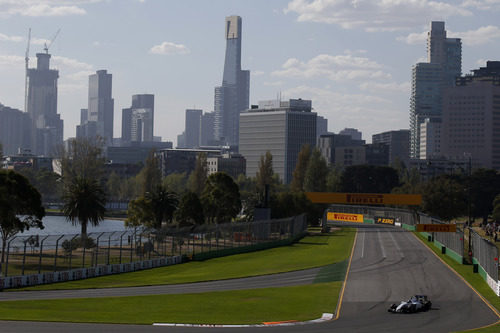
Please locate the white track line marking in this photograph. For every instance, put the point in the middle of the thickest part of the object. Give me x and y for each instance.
(363, 245)
(381, 245)
(397, 246)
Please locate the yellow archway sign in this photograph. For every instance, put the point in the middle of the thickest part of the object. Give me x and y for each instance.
(365, 198)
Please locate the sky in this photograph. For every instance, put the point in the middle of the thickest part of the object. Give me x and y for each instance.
(352, 58)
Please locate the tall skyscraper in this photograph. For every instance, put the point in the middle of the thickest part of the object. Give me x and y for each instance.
(352, 132)
(47, 125)
(193, 128)
(281, 127)
(398, 143)
(444, 56)
(430, 138)
(233, 95)
(138, 120)
(322, 126)
(328, 144)
(100, 112)
(471, 118)
(207, 137)
(15, 129)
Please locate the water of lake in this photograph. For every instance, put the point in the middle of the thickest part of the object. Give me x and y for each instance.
(58, 225)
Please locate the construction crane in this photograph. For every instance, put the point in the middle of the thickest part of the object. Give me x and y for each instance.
(47, 47)
(27, 60)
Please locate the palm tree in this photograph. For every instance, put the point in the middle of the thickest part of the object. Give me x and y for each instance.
(163, 204)
(84, 202)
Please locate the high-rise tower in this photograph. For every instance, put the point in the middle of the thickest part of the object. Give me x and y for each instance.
(138, 120)
(192, 131)
(444, 56)
(232, 96)
(47, 126)
(101, 105)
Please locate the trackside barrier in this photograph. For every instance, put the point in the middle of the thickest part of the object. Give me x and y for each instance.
(38, 259)
(485, 253)
(486, 257)
(84, 273)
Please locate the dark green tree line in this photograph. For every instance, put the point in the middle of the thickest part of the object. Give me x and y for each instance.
(20, 206)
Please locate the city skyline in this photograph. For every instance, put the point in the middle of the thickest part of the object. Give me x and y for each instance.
(355, 69)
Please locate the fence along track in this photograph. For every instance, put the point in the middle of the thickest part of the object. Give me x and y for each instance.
(26, 255)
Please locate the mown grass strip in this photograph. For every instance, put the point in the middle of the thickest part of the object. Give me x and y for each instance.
(230, 307)
(311, 251)
(474, 279)
(333, 272)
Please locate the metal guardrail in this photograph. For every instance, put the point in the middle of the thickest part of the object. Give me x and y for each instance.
(36, 254)
(452, 240)
(486, 253)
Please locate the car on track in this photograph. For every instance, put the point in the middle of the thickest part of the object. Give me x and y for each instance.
(416, 303)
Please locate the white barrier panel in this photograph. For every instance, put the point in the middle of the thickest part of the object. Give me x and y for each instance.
(84, 273)
(493, 285)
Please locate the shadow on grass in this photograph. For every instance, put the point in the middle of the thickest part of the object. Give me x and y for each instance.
(311, 243)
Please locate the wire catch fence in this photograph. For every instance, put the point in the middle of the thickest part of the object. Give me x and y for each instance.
(37, 254)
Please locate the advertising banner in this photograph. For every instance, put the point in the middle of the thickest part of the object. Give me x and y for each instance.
(343, 217)
(385, 220)
(436, 227)
(365, 198)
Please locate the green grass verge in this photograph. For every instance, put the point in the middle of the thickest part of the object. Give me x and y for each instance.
(473, 278)
(229, 307)
(311, 251)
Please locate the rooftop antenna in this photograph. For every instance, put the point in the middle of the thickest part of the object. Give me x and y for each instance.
(47, 47)
(27, 60)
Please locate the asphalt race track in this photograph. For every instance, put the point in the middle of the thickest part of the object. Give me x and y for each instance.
(264, 281)
(388, 265)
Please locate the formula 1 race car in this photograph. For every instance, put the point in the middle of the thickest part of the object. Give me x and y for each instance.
(416, 303)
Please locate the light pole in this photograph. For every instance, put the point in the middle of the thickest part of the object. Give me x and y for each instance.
(469, 210)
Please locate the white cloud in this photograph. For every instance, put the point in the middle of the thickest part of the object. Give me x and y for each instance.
(372, 16)
(168, 48)
(335, 99)
(11, 60)
(420, 59)
(335, 68)
(39, 41)
(369, 113)
(80, 75)
(273, 83)
(414, 38)
(480, 36)
(351, 52)
(10, 38)
(392, 87)
(258, 73)
(481, 62)
(71, 88)
(38, 8)
(482, 4)
(47, 10)
(69, 63)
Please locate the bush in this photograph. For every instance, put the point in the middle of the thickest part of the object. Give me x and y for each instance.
(71, 245)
